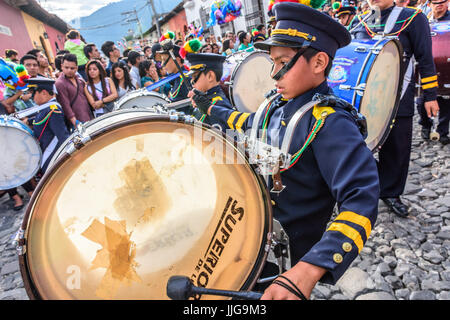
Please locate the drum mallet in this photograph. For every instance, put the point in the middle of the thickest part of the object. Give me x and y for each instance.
(181, 288)
(434, 136)
(167, 46)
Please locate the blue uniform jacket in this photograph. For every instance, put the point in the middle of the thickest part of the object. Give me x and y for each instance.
(217, 96)
(416, 40)
(179, 91)
(46, 128)
(336, 167)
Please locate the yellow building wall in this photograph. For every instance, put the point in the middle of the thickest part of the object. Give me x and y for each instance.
(36, 30)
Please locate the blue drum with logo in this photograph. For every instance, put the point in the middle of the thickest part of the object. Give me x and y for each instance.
(20, 153)
(368, 74)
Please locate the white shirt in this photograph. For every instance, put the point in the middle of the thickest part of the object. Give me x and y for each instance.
(134, 74)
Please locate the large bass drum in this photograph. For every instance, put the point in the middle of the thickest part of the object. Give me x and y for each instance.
(440, 36)
(145, 199)
(141, 98)
(368, 74)
(21, 154)
(247, 79)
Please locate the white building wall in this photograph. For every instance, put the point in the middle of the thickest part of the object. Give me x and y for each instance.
(193, 14)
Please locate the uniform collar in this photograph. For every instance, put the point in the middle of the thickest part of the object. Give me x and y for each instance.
(387, 11)
(294, 104)
(445, 16)
(213, 90)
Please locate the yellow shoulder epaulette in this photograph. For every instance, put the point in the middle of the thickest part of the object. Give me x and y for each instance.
(217, 98)
(322, 112)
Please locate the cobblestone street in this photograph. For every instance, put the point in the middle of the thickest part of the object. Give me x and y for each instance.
(404, 259)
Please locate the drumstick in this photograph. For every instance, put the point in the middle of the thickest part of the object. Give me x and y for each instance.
(181, 288)
(178, 104)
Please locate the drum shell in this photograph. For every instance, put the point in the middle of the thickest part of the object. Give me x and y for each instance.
(29, 283)
(440, 33)
(362, 64)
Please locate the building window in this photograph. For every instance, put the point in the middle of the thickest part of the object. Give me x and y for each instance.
(254, 13)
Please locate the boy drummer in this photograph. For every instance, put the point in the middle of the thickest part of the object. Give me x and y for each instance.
(206, 72)
(336, 167)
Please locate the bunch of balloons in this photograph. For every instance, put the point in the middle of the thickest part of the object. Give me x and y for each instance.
(13, 77)
(223, 11)
(315, 4)
(196, 33)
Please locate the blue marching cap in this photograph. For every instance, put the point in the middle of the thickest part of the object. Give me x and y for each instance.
(202, 61)
(297, 23)
(345, 10)
(40, 82)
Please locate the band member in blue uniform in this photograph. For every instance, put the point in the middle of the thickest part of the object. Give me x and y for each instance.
(181, 85)
(206, 70)
(345, 14)
(439, 13)
(331, 162)
(48, 126)
(412, 29)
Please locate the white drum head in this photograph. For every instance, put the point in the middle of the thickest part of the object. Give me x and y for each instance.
(21, 156)
(381, 92)
(251, 81)
(140, 99)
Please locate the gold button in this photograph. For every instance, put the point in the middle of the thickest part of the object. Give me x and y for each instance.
(283, 123)
(347, 247)
(273, 202)
(337, 257)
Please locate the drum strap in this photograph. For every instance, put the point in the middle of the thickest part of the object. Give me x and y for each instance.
(392, 19)
(408, 75)
(49, 150)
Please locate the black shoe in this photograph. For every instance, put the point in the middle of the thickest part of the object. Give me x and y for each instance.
(444, 140)
(425, 134)
(396, 205)
(18, 208)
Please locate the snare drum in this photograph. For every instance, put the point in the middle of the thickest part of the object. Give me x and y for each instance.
(141, 98)
(142, 201)
(368, 74)
(21, 154)
(247, 79)
(440, 33)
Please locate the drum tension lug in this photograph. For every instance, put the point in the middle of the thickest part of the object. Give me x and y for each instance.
(19, 242)
(278, 186)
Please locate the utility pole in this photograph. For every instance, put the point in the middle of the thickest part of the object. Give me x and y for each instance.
(136, 19)
(155, 17)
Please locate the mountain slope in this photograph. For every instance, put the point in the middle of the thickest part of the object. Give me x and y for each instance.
(108, 23)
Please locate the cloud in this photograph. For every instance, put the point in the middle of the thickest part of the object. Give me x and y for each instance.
(71, 9)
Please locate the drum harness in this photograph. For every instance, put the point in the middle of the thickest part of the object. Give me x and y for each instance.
(273, 161)
(387, 32)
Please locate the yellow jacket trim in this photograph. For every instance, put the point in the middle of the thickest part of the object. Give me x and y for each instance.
(241, 120)
(429, 79)
(218, 98)
(317, 111)
(430, 85)
(349, 232)
(357, 219)
(294, 33)
(231, 119)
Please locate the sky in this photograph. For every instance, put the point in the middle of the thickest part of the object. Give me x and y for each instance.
(70, 9)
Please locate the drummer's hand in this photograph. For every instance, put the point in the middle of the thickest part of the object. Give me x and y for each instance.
(432, 108)
(201, 100)
(305, 277)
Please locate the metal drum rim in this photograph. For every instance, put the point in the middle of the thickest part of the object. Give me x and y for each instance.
(261, 259)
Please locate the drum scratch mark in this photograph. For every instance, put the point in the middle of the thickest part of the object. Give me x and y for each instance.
(143, 195)
(117, 256)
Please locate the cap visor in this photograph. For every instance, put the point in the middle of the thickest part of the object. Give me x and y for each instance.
(267, 44)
